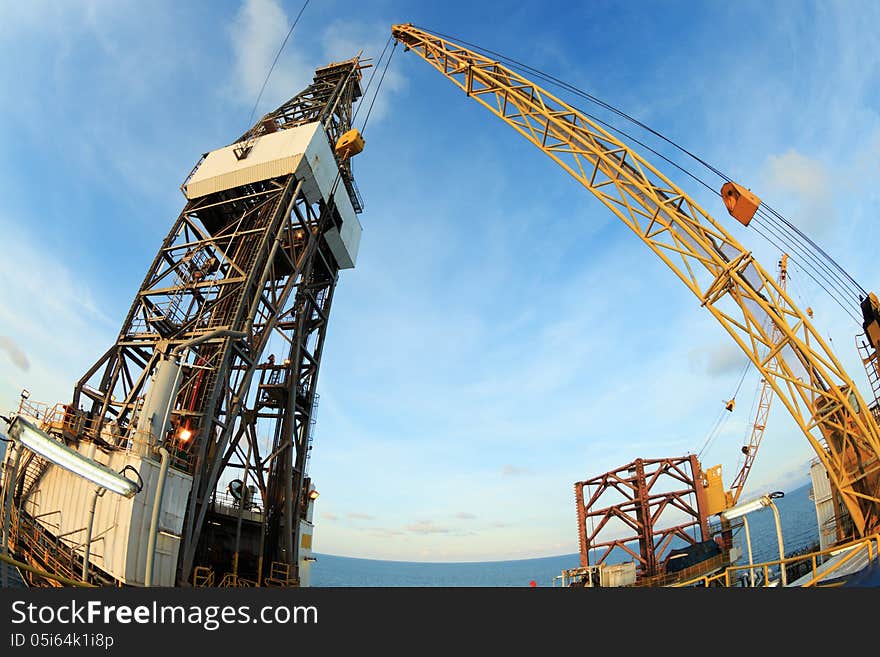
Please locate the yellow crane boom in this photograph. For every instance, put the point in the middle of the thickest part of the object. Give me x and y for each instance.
(724, 277)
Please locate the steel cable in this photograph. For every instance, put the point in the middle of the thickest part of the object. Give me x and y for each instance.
(788, 237)
(275, 61)
(376, 94)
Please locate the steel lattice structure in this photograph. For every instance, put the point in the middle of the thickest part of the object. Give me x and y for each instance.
(238, 267)
(647, 492)
(750, 450)
(740, 294)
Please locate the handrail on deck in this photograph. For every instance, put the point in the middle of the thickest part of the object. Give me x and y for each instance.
(871, 544)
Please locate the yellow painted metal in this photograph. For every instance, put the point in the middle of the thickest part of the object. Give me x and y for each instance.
(868, 547)
(717, 499)
(349, 144)
(741, 203)
(733, 287)
(43, 573)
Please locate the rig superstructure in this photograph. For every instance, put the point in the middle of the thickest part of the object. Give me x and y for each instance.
(206, 402)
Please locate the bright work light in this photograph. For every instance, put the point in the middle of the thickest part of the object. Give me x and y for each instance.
(40, 443)
(746, 508)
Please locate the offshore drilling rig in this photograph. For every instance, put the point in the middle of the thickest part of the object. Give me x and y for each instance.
(182, 457)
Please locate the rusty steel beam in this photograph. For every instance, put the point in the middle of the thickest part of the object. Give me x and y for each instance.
(651, 489)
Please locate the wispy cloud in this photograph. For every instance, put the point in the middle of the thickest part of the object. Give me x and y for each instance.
(332, 517)
(354, 515)
(718, 359)
(257, 33)
(48, 310)
(508, 470)
(344, 39)
(807, 185)
(426, 527)
(384, 532)
(16, 355)
(464, 515)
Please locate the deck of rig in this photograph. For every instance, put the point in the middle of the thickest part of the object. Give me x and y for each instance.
(191, 402)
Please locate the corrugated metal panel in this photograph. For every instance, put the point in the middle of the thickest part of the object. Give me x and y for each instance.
(826, 523)
(272, 155)
(821, 483)
(243, 176)
(121, 525)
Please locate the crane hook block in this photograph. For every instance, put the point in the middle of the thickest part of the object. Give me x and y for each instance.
(740, 202)
(350, 143)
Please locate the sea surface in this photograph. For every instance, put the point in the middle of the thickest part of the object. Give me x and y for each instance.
(797, 519)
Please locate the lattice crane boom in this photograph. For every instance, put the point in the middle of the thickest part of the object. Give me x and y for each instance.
(750, 451)
(735, 289)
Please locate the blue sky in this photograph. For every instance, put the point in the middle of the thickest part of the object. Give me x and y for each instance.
(502, 336)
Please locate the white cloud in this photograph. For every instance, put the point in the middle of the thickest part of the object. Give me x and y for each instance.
(343, 39)
(256, 34)
(49, 312)
(718, 359)
(14, 352)
(509, 470)
(808, 185)
(426, 527)
(385, 533)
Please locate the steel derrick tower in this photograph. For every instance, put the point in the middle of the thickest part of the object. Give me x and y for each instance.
(249, 267)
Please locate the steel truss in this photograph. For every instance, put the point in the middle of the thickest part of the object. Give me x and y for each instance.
(739, 293)
(252, 259)
(646, 492)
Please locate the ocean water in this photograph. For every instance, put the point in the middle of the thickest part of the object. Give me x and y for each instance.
(797, 519)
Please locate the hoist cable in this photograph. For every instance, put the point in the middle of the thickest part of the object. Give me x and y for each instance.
(376, 94)
(275, 61)
(579, 92)
(719, 423)
(372, 75)
(786, 232)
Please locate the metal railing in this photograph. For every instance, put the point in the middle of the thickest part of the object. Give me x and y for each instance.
(868, 546)
(60, 420)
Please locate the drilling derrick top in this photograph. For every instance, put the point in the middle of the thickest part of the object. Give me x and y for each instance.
(249, 267)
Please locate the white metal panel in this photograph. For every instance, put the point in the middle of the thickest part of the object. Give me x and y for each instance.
(177, 486)
(63, 500)
(824, 502)
(165, 564)
(306, 532)
(621, 574)
(344, 242)
(271, 155)
(821, 482)
(121, 526)
(826, 522)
